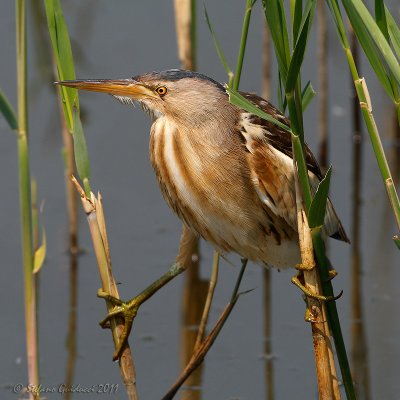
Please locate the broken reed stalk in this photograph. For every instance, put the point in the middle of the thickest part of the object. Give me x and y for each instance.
(95, 216)
(25, 203)
(328, 388)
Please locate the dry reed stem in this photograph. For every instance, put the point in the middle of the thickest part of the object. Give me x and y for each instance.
(207, 305)
(96, 221)
(326, 376)
(200, 353)
(315, 314)
(183, 25)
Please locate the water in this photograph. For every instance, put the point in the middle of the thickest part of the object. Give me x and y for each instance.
(120, 41)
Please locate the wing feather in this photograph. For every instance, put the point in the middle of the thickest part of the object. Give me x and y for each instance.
(270, 159)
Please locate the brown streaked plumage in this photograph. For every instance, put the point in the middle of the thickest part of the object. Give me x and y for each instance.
(226, 173)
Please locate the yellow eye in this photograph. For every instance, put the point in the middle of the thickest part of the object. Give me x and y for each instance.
(161, 90)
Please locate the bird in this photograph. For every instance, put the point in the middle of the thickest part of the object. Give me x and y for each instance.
(227, 173)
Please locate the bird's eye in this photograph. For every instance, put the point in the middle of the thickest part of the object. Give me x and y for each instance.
(161, 90)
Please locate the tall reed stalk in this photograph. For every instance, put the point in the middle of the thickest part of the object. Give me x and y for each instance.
(375, 42)
(26, 202)
(91, 204)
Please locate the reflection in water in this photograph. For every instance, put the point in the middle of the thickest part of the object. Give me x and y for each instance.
(194, 290)
(269, 367)
(193, 300)
(267, 303)
(323, 86)
(72, 324)
(359, 345)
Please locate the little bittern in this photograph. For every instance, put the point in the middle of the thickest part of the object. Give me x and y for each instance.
(226, 173)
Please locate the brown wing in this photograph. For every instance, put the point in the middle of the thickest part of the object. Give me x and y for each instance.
(272, 172)
(276, 136)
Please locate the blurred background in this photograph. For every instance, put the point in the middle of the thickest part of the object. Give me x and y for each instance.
(122, 39)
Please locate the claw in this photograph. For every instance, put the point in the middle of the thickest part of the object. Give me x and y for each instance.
(308, 293)
(332, 273)
(125, 309)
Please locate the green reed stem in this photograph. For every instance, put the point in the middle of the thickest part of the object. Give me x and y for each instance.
(319, 249)
(366, 110)
(242, 48)
(25, 199)
(293, 98)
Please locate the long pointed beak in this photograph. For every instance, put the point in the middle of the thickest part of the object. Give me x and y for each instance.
(116, 87)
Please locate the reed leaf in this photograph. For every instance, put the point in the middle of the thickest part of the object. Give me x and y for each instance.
(316, 212)
(307, 95)
(40, 253)
(378, 37)
(394, 32)
(298, 55)
(380, 17)
(8, 112)
(238, 100)
(370, 50)
(63, 56)
(220, 53)
(275, 14)
(81, 152)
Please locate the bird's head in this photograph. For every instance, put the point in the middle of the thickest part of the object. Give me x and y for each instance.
(188, 98)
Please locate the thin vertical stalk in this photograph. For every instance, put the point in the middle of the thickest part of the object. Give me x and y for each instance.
(242, 48)
(25, 200)
(70, 192)
(396, 145)
(207, 305)
(185, 14)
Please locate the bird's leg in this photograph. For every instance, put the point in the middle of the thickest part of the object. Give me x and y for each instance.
(297, 280)
(128, 309)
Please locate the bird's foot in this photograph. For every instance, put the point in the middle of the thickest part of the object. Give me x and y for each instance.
(297, 281)
(125, 309)
(305, 267)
